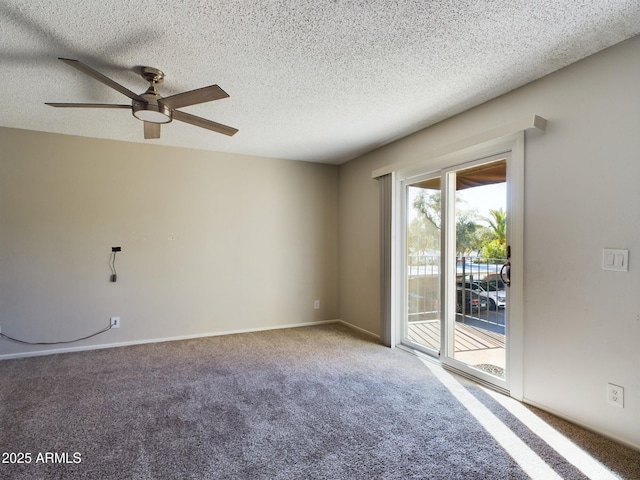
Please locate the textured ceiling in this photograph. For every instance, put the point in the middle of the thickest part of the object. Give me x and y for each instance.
(316, 80)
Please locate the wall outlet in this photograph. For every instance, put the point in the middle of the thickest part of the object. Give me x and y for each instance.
(316, 305)
(115, 322)
(615, 395)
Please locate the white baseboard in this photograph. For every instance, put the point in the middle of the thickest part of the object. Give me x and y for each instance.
(568, 418)
(38, 353)
(361, 330)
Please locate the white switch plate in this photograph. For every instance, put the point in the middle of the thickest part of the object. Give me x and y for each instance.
(617, 260)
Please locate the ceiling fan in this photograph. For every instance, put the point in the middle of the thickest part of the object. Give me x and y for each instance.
(150, 107)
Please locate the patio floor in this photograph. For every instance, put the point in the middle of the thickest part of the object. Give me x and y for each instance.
(473, 345)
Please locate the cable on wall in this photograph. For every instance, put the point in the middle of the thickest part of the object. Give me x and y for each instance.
(113, 278)
(112, 264)
(54, 343)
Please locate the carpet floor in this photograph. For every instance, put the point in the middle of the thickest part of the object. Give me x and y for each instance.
(317, 402)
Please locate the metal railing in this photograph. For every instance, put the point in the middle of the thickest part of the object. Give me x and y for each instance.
(480, 278)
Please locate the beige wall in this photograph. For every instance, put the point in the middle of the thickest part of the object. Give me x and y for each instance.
(582, 192)
(210, 242)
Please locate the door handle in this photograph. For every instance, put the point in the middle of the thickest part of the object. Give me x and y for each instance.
(506, 267)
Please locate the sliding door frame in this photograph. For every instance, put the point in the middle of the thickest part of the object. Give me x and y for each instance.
(510, 144)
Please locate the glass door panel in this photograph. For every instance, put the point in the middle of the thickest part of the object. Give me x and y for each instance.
(476, 238)
(423, 328)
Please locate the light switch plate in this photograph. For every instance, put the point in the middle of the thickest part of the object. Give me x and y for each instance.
(614, 259)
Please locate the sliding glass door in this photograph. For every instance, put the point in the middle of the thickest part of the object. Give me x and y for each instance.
(456, 241)
(476, 269)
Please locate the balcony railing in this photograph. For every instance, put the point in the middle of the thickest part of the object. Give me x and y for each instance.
(482, 297)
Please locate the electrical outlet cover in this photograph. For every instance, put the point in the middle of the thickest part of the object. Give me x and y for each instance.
(615, 395)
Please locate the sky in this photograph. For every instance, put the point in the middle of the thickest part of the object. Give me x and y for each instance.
(485, 198)
(481, 199)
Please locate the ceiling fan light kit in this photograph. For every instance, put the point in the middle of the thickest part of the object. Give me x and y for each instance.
(150, 107)
(151, 112)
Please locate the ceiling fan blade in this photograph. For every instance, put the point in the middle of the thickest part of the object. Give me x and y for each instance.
(151, 130)
(201, 95)
(204, 123)
(87, 105)
(101, 78)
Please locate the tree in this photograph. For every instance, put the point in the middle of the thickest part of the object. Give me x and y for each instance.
(494, 250)
(424, 230)
(429, 205)
(422, 235)
(466, 239)
(496, 247)
(428, 224)
(498, 224)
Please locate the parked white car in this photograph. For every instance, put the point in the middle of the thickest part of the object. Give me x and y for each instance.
(490, 290)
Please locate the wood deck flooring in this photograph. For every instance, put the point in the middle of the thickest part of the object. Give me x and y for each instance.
(467, 337)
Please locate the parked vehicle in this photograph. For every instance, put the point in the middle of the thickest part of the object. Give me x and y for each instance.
(495, 284)
(496, 297)
(494, 280)
(472, 300)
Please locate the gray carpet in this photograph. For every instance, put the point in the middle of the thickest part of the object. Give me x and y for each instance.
(306, 403)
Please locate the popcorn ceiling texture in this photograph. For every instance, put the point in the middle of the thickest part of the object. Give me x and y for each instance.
(320, 81)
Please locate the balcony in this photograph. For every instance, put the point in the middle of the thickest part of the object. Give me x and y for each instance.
(479, 333)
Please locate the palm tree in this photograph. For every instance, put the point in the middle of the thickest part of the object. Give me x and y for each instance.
(498, 224)
(496, 248)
